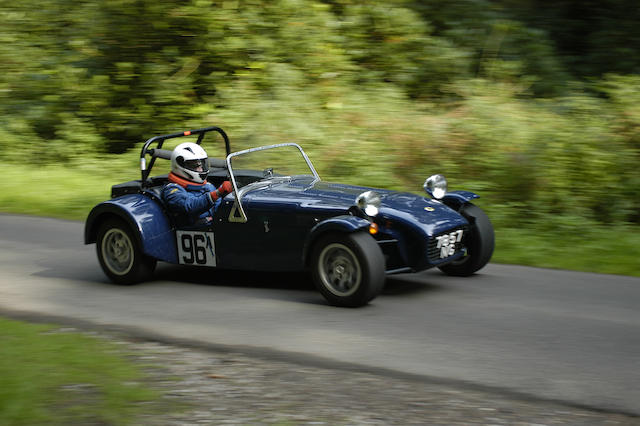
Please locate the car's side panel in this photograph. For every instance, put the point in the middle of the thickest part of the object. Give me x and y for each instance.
(271, 239)
(285, 219)
(145, 216)
(281, 226)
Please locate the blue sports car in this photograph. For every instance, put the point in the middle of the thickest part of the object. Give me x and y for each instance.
(281, 216)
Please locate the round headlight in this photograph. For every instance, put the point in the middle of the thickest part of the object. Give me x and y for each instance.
(436, 186)
(369, 202)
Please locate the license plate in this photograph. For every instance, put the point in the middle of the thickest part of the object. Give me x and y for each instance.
(447, 243)
(196, 248)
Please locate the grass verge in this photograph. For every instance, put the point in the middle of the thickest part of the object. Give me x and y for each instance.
(71, 192)
(48, 376)
(62, 191)
(607, 250)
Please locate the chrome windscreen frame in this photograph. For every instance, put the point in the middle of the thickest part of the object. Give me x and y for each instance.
(237, 213)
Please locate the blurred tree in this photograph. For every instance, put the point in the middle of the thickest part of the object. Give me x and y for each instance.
(500, 45)
(389, 42)
(592, 37)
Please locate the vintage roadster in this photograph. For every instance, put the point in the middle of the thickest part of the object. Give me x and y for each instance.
(282, 217)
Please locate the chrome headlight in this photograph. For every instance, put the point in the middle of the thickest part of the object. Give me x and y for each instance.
(369, 202)
(436, 186)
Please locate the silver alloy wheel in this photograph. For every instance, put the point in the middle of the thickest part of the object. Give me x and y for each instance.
(339, 269)
(117, 251)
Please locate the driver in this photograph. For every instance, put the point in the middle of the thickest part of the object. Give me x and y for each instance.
(192, 200)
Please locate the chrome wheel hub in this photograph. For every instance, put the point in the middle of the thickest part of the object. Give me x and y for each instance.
(339, 269)
(117, 251)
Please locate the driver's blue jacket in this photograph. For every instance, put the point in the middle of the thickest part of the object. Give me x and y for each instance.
(189, 203)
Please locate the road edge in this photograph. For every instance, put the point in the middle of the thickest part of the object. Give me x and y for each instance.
(297, 358)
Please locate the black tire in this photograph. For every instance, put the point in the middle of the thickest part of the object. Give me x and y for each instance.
(120, 256)
(480, 242)
(348, 269)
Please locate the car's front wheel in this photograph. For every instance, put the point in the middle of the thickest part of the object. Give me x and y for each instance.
(348, 269)
(479, 243)
(119, 255)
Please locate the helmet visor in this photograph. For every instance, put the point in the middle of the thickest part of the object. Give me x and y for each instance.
(200, 165)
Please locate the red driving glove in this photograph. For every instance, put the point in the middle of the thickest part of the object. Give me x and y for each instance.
(222, 190)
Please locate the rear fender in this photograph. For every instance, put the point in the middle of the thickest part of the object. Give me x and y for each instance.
(145, 217)
(341, 224)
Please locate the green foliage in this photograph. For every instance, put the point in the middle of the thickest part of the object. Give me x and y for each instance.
(391, 43)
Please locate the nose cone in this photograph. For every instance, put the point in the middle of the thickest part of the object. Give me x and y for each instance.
(431, 216)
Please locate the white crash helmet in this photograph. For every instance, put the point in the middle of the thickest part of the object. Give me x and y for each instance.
(189, 161)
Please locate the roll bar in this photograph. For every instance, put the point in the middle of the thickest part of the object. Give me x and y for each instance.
(158, 152)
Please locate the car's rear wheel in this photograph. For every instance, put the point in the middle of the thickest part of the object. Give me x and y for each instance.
(119, 255)
(479, 241)
(348, 269)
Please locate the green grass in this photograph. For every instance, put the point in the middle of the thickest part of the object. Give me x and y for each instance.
(71, 192)
(52, 377)
(67, 192)
(607, 250)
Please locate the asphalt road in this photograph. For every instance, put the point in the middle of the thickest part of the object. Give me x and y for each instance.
(556, 335)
